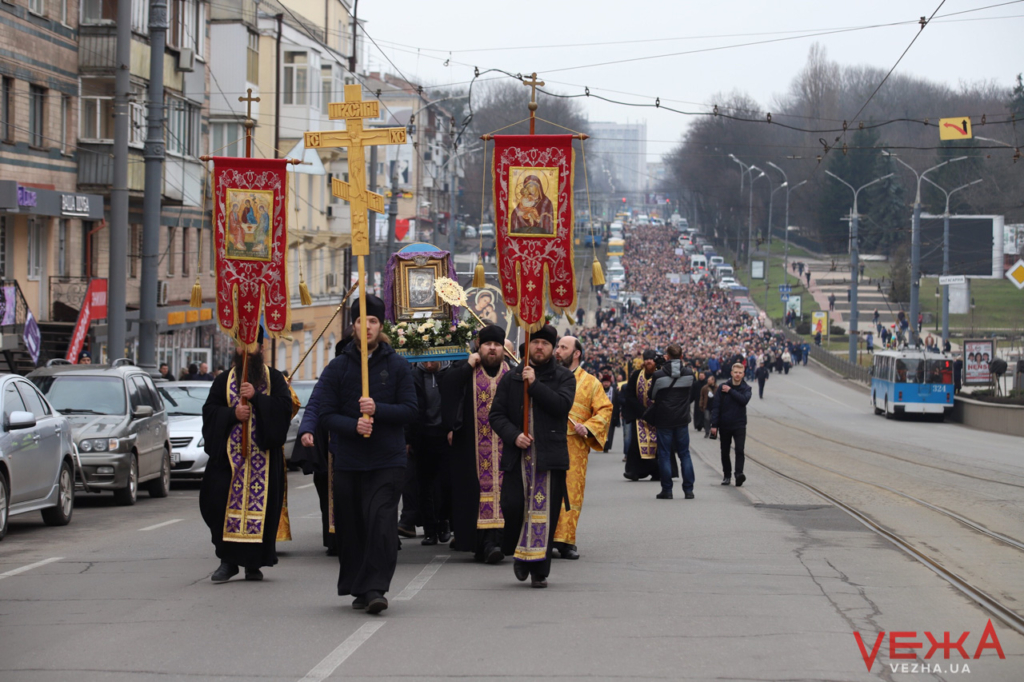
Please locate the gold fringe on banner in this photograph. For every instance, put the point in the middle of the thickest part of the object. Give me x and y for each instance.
(597, 274)
(304, 297)
(479, 277)
(197, 295)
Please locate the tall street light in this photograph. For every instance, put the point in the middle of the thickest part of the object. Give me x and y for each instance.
(945, 252)
(785, 258)
(771, 208)
(744, 169)
(915, 246)
(750, 215)
(855, 262)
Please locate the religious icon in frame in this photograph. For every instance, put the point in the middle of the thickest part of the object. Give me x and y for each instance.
(533, 202)
(414, 288)
(249, 213)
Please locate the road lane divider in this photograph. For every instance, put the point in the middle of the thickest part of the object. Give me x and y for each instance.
(303, 487)
(326, 667)
(420, 581)
(160, 525)
(16, 571)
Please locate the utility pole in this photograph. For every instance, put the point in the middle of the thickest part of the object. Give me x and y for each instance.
(118, 249)
(750, 215)
(915, 247)
(854, 263)
(393, 204)
(151, 201)
(945, 252)
(785, 257)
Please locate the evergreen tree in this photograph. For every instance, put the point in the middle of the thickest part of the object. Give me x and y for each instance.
(857, 167)
(886, 218)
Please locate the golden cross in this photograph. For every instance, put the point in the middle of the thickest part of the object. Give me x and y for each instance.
(249, 123)
(353, 110)
(533, 84)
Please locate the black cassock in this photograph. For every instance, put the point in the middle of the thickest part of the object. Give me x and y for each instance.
(271, 416)
(632, 410)
(460, 417)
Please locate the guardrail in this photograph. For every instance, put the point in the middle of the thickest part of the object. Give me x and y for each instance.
(834, 362)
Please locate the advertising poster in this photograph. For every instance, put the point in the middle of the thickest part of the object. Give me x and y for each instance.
(977, 355)
(819, 322)
(795, 304)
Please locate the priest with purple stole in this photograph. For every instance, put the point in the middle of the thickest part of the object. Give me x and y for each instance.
(242, 493)
(467, 393)
(535, 459)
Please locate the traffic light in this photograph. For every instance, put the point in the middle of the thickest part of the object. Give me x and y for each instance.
(623, 199)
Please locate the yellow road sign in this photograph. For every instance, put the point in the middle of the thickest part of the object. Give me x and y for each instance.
(955, 128)
(1016, 274)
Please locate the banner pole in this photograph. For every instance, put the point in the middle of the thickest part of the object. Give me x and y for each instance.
(323, 331)
(362, 332)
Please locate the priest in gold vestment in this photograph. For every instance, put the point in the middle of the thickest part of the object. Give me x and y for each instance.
(588, 424)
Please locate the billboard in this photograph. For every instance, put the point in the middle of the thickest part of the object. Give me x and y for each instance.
(819, 322)
(975, 246)
(977, 355)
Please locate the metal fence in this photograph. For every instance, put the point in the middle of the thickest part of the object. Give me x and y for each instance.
(836, 363)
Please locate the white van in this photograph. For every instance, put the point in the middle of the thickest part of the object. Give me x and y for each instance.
(715, 261)
(698, 262)
(724, 271)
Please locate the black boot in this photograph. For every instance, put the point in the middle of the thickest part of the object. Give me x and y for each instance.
(444, 534)
(224, 573)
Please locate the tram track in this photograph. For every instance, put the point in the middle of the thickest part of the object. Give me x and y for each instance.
(986, 601)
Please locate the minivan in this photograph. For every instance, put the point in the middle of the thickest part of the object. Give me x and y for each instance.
(715, 260)
(697, 261)
(724, 271)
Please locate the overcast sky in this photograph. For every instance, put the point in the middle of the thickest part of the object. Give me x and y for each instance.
(418, 36)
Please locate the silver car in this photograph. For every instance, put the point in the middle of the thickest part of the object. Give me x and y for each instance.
(184, 401)
(36, 467)
(119, 422)
(303, 389)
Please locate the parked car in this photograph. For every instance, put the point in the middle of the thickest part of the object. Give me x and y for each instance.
(37, 471)
(616, 274)
(486, 230)
(119, 424)
(613, 262)
(469, 232)
(723, 270)
(715, 261)
(303, 389)
(184, 401)
(726, 283)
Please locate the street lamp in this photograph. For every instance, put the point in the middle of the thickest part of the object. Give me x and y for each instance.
(854, 262)
(945, 252)
(744, 169)
(771, 208)
(750, 216)
(785, 258)
(915, 245)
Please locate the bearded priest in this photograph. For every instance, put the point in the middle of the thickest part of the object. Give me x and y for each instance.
(242, 493)
(468, 391)
(587, 429)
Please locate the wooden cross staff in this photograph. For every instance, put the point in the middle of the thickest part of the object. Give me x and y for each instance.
(353, 110)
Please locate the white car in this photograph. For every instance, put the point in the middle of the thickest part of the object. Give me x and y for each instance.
(617, 274)
(486, 230)
(184, 401)
(727, 283)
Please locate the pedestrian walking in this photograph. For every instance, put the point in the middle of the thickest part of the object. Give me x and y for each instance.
(427, 437)
(808, 275)
(831, 302)
(671, 391)
(707, 392)
(370, 468)
(762, 376)
(787, 360)
(729, 421)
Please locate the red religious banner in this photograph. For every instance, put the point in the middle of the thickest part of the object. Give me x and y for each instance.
(533, 211)
(251, 238)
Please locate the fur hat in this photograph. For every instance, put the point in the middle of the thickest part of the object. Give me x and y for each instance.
(374, 308)
(546, 333)
(491, 332)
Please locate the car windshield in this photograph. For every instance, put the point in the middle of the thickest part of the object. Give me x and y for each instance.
(909, 371)
(71, 394)
(184, 400)
(303, 391)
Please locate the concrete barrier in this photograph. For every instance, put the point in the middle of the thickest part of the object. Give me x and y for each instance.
(991, 417)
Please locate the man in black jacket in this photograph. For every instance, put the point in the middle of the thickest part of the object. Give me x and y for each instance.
(535, 461)
(428, 438)
(761, 374)
(672, 389)
(369, 468)
(729, 415)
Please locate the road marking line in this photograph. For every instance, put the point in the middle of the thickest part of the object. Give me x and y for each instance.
(326, 667)
(37, 564)
(420, 581)
(303, 487)
(160, 525)
(826, 396)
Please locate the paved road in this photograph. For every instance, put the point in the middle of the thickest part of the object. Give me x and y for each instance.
(765, 582)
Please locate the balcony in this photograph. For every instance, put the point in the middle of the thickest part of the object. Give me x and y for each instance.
(96, 170)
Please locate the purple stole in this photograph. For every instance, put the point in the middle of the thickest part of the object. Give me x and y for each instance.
(488, 450)
(247, 496)
(533, 540)
(646, 435)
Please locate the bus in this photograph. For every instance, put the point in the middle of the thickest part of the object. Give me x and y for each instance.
(910, 381)
(616, 247)
(591, 233)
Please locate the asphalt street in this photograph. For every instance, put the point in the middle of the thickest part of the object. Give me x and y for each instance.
(765, 582)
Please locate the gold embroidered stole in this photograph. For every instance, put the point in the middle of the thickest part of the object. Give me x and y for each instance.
(488, 449)
(247, 495)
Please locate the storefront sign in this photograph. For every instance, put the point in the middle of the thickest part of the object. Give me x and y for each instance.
(74, 205)
(26, 197)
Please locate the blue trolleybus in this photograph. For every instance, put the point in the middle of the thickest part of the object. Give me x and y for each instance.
(912, 382)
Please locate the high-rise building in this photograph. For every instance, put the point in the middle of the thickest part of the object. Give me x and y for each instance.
(621, 149)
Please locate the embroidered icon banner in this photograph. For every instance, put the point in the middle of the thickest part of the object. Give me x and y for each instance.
(251, 241)
(533, 208)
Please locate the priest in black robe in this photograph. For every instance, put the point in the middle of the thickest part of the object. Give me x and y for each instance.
(243, 519)
(467, 393)
(641, 458)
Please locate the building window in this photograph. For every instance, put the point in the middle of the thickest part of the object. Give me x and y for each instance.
(98, 11)
(3, 247)
(97, 119)
(65, 121)
(296, 78)
(184, 134)
(64, 14)
(227, 139)
(187, 25)
(7, 110)
(170, 251)
(140, 16)
(37, 116)
(327, 84)
(35, 249)
(37, 7)
(62, 248)
(252, 65)
(184, 251)
(137, 126)
(134, 250)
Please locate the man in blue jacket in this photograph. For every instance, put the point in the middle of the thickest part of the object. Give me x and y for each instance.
(729, 416)
(369, 467)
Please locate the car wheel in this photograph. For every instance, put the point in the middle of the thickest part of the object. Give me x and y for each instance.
(874, 404)
(160, 486)
(5, 502)
(127, 495)
(61, 514)
(888, 415)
